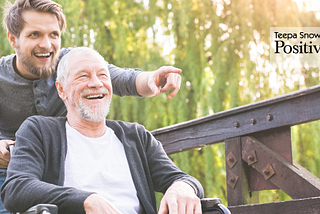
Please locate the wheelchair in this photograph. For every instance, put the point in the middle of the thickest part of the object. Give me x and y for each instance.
(209, 205)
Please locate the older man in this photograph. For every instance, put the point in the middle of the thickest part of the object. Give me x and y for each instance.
(84, 163)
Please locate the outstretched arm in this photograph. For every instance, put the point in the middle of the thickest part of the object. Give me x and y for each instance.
(164, 79)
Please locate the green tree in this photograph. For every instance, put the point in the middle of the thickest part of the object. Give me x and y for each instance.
(4, 43)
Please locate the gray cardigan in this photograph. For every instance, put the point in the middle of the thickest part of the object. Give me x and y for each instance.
(36, 170)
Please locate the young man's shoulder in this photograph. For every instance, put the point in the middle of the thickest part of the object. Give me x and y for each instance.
(6, 60)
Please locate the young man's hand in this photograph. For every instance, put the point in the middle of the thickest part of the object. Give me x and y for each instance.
(5, 153)
(164, 79)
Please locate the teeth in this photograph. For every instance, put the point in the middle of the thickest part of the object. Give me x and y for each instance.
(43, 54)
(99, 96)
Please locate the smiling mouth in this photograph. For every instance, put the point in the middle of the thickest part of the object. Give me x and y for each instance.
(91, 97)
(43, 55)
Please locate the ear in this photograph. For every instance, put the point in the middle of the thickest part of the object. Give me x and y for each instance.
(12, 39)
(60, 90)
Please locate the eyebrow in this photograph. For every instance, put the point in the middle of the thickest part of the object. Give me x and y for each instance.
(105, 70)
(57, 32)
(28, 32)
(79, 71)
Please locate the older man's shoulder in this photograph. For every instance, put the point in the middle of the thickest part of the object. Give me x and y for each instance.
(45, 120)
(124, 125)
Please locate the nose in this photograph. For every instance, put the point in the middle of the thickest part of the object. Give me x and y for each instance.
(95, 82)
(45, 42)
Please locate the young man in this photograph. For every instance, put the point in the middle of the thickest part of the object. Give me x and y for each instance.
(84, 163)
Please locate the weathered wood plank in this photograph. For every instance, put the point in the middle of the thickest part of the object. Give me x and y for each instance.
(287, 110)
(297, 206)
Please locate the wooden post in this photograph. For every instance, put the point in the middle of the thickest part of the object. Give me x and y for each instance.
(237, 183)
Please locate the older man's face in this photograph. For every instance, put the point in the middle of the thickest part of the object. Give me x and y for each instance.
(88, 87)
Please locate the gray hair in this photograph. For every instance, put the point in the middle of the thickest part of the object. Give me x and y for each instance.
(64, 64)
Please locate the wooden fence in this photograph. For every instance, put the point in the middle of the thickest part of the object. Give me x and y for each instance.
(258, 151)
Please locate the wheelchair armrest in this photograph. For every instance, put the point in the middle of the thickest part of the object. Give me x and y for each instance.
(207, 204)
(213, 204)
(42, 209)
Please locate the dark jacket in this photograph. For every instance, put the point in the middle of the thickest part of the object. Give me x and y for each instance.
(36, 170)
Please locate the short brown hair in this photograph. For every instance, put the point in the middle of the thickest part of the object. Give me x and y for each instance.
(14, 22)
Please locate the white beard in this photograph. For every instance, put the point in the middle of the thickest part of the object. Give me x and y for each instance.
(97, 112)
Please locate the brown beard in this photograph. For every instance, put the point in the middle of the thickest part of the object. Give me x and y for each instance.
(42, 73)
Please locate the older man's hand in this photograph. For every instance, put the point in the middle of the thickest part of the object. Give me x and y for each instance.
(96, 204)
(180, 198)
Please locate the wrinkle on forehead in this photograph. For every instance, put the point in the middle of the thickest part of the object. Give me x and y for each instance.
(87, 63)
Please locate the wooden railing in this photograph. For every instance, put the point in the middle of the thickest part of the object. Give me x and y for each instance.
(258, 151)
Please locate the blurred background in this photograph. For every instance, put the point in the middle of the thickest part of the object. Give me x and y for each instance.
(222, 47)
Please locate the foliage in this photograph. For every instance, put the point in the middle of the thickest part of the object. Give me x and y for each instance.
(222, 46)
(4, 44)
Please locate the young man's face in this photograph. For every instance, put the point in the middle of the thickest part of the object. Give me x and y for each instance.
(38, 45)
